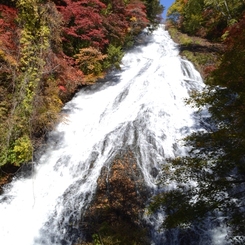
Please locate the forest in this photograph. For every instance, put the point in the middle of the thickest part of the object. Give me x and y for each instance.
(210, 180)
(50, 49)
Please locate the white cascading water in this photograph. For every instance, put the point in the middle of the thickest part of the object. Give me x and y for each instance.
(141, 106)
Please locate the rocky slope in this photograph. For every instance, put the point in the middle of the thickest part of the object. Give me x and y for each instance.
(115, 216)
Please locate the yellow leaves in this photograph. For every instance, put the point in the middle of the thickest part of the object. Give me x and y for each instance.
(177, 7)
(3, 110)
(11, 60)
(34, 45)
(22, 151)
(47, 107)
(31, 107)
(8, 58)
(91, 78)
(35, 33)
(34, 40)
(2, 53)
(90, 61)
(133, 19)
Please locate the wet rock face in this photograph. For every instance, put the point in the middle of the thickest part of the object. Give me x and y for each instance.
(119, 203)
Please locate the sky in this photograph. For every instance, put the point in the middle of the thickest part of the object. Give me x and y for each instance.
(166, 4)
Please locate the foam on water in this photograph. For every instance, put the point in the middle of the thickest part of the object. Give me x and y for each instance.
(141, 106)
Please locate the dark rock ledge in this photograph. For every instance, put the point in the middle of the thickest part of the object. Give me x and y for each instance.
(115, 215)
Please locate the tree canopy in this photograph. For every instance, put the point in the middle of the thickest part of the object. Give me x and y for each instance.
(210, 179)
(48, 49)
(206, 18)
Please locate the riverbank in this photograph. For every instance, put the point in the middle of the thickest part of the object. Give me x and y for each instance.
(201, 52)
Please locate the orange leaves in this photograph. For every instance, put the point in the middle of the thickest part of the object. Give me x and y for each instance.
(90, 61)
(66, 75)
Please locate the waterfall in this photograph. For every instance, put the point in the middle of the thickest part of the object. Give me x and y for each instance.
(141, 106)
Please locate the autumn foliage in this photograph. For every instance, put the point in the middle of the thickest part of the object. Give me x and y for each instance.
(83, 24)
(8, 36)
(48, 50)
(205, 18)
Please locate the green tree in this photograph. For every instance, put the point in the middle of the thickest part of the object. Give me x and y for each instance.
(175, 12)
(229, 9)
(211, 178)
(193, 18)
(154, 10)
(114, 57)
(35, 41)
(207, 18)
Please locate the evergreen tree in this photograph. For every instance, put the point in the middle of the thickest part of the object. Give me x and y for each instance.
(154, 10)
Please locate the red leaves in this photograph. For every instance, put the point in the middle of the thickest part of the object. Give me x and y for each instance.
(136, 12)
(231, 72)
(67, 76)
(8, 33)
(62, 88)
(209, 69)
(84, 22)
(236, 35)
(116, 23)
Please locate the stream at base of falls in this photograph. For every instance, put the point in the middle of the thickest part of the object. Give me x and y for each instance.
(141, 108)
